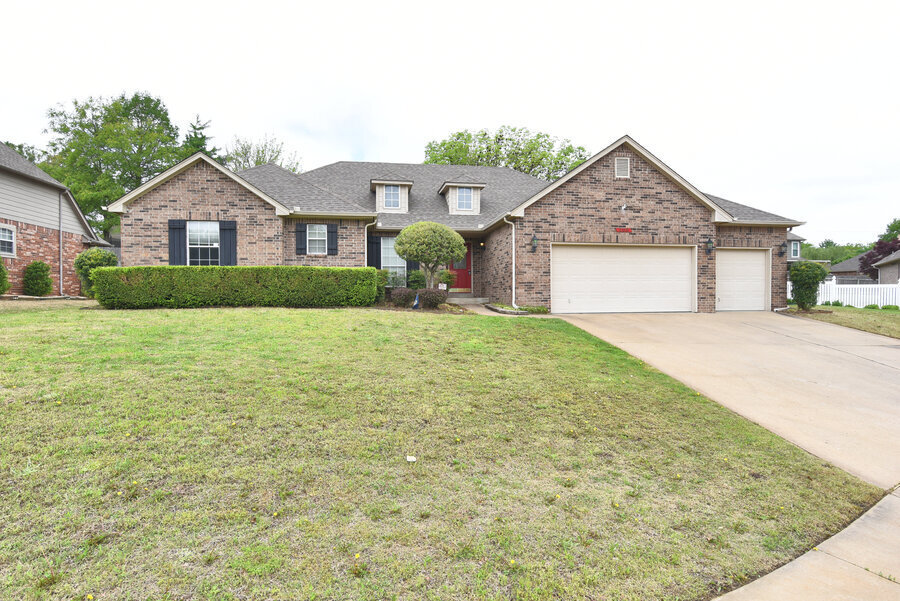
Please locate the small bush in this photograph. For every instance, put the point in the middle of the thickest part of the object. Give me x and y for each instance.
(837, 304)
(535, 310)
(192, 286)
(381, 280)
(4, 278)
(891, 308)
(396, 280)
(871, 307)
(416, 279)
(36, 279)
(805, 279)
(826, 304)
(447, 277)
(403, 297)
(89, 260)
(430, 298)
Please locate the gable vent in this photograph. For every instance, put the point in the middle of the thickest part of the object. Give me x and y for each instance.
(623, 167)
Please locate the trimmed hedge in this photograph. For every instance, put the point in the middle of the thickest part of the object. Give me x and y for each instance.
(431, 298)
(403, 297)
(193, 286)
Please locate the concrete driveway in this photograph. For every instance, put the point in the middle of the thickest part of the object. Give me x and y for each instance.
(832, 390)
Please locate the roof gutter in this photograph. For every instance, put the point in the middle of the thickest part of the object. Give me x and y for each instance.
(512, 243)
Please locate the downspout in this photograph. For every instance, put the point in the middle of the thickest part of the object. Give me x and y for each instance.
(513, 244)
(366, 255)
(60, 246)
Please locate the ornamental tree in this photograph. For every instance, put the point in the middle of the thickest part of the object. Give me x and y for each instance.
(432, 245)
(805, 279)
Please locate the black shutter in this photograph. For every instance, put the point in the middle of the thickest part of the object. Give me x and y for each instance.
(301, 238)
(332, 238)
(177, 242)
(412, 266)
(374, 253)
(227, 243)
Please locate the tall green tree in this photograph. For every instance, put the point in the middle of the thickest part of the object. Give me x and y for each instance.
(535, 153)
(244, 153)
(891, 232)
(197, 140)
(828, 250)
(102, 148)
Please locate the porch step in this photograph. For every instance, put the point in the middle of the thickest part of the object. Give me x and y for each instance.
(467, 300)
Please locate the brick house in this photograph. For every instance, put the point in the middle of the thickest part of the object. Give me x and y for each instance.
(620, 233)
(39, 221)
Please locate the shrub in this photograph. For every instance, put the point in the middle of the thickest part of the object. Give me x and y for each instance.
(837, 304)
(36, 279)
(403, 297)
(805, 279)
(431, 298)
(536, 310)
(395, 280)
(416, 279)
(192, 286)
(381, 280)
(447, 277)
(826, 304)
(4, 278)
(891, 308)
(871, 307)
(431, 245)
(89, 260)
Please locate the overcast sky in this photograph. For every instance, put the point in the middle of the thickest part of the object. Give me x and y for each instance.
(791, 107)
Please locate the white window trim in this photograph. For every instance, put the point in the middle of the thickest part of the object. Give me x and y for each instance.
(15, 240)
(627, 167)
(795, 245)
(471, 206)
(187, 235)
(382, 249)
(309, 228)
(386, 206)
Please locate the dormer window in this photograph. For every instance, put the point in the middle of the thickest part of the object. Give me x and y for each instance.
(391, 197)
(464, 199)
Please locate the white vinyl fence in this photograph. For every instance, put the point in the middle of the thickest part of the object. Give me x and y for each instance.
(857, 295)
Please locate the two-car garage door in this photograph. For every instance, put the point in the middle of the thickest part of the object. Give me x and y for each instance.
(621, 279)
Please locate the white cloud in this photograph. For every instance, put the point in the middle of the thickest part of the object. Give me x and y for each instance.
(790, 107)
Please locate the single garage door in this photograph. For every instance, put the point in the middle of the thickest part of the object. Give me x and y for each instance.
(742, 278)
(621, 279)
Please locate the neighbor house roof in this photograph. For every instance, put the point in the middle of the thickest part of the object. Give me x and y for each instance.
(793, 236)
(503, 189)
(851, 264)
(10, 160)
(13, 162)
(894, 257)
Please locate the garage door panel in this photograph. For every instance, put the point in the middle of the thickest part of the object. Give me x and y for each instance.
(619, 279)
(742, 278)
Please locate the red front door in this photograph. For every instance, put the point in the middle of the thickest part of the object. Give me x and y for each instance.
(463, 272)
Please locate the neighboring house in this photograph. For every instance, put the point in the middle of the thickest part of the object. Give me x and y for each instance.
(889, 269)
(620, 233)
(39, 221)
(847, 272)
(793, 241)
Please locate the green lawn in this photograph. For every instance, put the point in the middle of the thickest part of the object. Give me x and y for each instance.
(261, 454)
(877, 321)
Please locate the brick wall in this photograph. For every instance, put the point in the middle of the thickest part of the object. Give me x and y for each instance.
(760, 237)
(588, 208)
(201, 193)
(351, 244)
(36, 243)
(494, 263)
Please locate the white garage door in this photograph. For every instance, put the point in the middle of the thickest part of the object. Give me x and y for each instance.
(621, 279)
(741, 280)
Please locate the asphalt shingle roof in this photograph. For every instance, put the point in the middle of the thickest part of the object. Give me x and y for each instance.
(851, 264)
(504, 190)
(745, 213)
(15, 162)
(793, 236)
(299, 194)
(891, 258)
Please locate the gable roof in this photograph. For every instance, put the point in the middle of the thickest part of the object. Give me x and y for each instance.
(300, 195)
(894, 257)
(793, 236)
(119, 205)
(748, 215)
(13, 162)
(851, 264)
(503, 189)
(10, 160)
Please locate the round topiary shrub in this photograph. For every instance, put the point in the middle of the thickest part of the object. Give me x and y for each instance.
(36, 279)
(432, 298)
(89, 260)
(805, 279)
(4, 278)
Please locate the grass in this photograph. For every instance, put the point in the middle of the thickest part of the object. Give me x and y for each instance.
(877, 321)
(261, 454)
